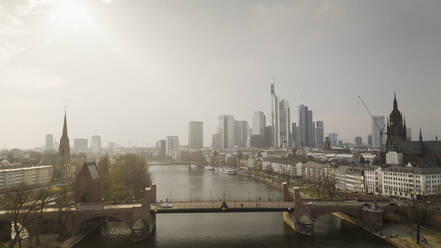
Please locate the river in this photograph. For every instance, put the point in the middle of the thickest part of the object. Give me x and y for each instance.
(178, 182)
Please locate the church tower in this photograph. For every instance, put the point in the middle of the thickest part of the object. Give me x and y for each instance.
(64, 151)
(396, 126)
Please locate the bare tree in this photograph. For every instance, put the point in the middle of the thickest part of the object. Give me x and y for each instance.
(19, 204)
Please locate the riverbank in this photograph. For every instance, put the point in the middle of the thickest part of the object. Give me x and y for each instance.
(397, 235)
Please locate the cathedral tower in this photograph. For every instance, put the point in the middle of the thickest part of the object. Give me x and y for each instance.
(64, 151)
(396, 126)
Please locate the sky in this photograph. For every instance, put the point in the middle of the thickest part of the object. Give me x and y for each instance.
(137, 71)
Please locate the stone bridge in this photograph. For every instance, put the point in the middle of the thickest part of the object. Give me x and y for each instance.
(137, 216)
(140, 217)
(368, 215)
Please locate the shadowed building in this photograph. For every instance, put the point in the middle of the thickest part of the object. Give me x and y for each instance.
(87, 184)
(420, 153)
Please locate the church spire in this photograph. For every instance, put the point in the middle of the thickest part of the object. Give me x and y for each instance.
(64, 126)
(64, 150)
(421, 136)
(395, 101)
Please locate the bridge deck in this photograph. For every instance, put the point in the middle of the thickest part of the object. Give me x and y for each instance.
(216, 207)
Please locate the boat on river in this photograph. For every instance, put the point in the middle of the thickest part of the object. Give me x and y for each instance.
(209, 168)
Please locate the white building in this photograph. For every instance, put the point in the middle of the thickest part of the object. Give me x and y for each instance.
(37, 175)
(373, 179)
(409, 182)
(172, 146)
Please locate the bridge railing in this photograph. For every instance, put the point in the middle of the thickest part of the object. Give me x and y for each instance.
(236, 203)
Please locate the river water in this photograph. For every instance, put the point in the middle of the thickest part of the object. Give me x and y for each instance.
(229, 229)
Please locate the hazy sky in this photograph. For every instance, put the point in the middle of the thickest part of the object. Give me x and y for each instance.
(136, 71)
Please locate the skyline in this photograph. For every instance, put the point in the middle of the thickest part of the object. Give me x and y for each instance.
(117, 78)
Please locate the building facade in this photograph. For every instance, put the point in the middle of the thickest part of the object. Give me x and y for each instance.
(36, 175)
(172, 146)
(96, 146)
(227, 130)
(258, 123)
(241, 133)
(49, 142)
(81, 145)
(319, 134)
(195, 134)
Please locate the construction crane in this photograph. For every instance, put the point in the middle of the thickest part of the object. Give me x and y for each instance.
(380, 129)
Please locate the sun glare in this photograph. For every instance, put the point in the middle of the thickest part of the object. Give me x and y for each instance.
(71, 13)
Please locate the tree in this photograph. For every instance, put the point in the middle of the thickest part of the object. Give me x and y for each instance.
(420, 209)
(127, 179)
(104, 165)
(19, 204)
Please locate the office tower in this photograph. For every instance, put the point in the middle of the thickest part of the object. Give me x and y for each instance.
(307, 129)
(409, 134)
(296, 135)
(96, 144)
(319, 134)
(241, 133)
(268, 136)
(378, 121)
(81, 145)
(333, 138)
(161, 146)
(284, 126)
(195, 134)
(369, 138)
(172, 146)
(258, 123)
(280, 120)
(49, 142)
(216, 141)
(275, 121)
(227, 130)
(358, 141)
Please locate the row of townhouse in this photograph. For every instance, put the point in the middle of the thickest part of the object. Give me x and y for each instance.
(397, 181)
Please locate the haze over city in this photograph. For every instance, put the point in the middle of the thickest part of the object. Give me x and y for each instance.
(137, 71)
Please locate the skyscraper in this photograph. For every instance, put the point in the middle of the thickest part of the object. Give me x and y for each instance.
(296, 135)
(64, 151)
(95, 146)
(275, 122)
(280, 120)
(81, 145)
(49, 142)
(241, 133)
(258, 123)
(285, 122)
(369, 138)
(319, 134)
(358, 141)
(307, 130)
(227, 130)
(195, 134)
(161, 146)
(268, 136)
(378, 121)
